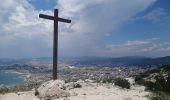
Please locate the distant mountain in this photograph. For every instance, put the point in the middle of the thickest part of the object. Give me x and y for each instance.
(6, 61)
(121, 61)
(153, 61)
(42, 60)
(103, 61)
(94, 61)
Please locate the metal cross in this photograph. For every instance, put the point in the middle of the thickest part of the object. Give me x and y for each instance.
(56, 19)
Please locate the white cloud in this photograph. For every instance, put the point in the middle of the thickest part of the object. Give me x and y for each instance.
(157, 47)
(158, 16)
(141, 42)
(136, 43)
(128, 47)
(101, 16)
(148, 47)
(95, 19)
(20, 26)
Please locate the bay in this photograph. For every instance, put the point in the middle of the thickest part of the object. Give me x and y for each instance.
(10, 78)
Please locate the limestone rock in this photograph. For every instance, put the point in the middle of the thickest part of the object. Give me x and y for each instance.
(72, 85)
(52, 89)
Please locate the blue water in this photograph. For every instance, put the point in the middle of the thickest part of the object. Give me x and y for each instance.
(10, 78)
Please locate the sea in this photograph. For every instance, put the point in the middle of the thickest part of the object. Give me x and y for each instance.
(11, 78)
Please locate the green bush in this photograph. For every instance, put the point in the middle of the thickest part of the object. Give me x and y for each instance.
(166, 68)
(168, 83)
(36, 92)
(122, 83)
(160, 83)
(139, 80)
(149, 85)
(77, 85)
(157, 98)
(107, 80)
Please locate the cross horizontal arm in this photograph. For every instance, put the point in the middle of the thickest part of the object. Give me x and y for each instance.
(64, 20)
(46, 16)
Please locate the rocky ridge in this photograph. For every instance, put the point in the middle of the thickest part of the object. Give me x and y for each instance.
(80, 90)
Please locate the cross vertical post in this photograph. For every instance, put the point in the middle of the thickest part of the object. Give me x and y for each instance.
(55, 45)
(56, 19)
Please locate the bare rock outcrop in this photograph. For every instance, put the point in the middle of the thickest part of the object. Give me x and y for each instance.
(52, 89)
(80, 90)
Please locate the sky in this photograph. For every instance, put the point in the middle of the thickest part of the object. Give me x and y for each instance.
(106, 28)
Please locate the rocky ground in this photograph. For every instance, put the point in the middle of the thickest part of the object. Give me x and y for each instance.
(80, 90)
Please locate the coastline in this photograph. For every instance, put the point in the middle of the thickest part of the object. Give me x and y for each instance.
(18, 72)
(22, 75)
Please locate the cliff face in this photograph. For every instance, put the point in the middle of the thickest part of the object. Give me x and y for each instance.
(80, 90)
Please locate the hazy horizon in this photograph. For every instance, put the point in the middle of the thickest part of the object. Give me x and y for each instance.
(87, 57)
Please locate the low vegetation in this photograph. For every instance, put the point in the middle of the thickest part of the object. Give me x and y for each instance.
(157, 98)
(77, 85)
(107, 80)
(122, 83)
(161, 80)
(117, 81)
(18, 88)
(158, 82)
